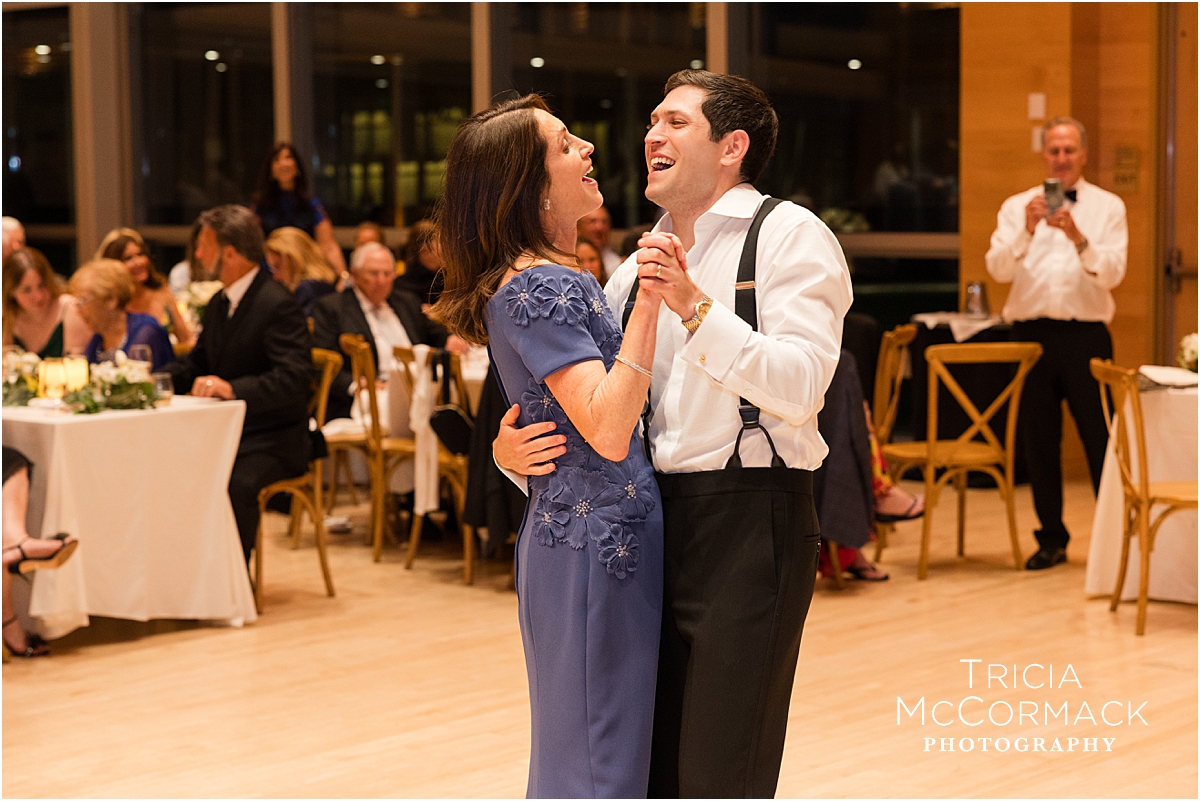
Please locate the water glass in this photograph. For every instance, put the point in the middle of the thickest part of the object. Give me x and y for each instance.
(140, 353)
(975, 303)
(164, 388)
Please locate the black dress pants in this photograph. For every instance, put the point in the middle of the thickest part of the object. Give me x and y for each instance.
(251, 472)
(1061, 373)
(741, 550)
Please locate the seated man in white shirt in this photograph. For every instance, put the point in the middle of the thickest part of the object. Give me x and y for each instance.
(374, 308)
(1063, 264)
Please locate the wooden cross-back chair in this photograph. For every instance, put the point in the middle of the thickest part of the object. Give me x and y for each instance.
(889, 375)
(966, 453)
(1127, 432)
(305, 489)
(451, 467)
(384, 453)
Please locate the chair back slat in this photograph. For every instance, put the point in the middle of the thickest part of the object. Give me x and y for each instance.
(362, 368)
(1024, 354)
(1122, 383)
(889, 374)
(329, 363)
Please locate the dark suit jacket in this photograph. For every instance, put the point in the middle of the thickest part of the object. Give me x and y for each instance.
(265, 352)
(341, 313)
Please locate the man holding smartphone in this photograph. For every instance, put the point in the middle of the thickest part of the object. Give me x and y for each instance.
(1063, 247)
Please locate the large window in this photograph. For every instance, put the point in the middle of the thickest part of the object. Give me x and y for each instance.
(602, 67)
(867, 95)
(391, 82)
(204, 118)
(39, 181)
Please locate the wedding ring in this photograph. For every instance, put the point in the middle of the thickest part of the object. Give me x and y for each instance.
(208, 382)
(658, 272)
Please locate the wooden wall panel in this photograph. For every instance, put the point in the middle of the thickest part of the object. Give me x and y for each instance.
(1186, 166)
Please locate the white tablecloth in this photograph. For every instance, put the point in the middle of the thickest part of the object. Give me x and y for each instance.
(146, 493)
(962, 326)
(1171, 452)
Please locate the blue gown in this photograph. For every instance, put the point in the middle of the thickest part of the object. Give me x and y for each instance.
(589, 553)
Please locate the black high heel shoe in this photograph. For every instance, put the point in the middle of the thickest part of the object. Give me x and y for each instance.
(34, 645)
(28, 564)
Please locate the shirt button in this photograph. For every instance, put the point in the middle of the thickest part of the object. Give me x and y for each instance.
(702, 359)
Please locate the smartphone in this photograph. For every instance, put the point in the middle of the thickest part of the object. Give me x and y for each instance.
(1053, 189)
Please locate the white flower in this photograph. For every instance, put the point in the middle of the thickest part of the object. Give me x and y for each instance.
(1188, 351)
(133, 372)
(29, 363)
(105, 372)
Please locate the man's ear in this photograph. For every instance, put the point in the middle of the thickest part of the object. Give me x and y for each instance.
(734, 147)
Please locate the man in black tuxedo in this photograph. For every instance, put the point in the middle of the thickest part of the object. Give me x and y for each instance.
(255, 347)
(395, 319)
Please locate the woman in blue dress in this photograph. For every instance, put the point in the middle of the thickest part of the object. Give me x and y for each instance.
(589, 552)
(103, 288)
(282, 200)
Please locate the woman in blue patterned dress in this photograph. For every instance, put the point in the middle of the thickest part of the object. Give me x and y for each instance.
(589, 552)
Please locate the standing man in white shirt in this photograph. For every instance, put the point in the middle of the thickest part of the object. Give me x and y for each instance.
(1063, 267)
(596, 228)
(732, 430)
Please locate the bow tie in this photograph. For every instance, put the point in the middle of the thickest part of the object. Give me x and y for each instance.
(1070, 194)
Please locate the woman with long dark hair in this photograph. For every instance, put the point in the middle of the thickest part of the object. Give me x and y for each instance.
(282, 200)
(38, 315)
(151, 294)
(589, 552)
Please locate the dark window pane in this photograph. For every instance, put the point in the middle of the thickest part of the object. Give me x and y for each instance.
(38, 153)
(602, 70)
(204, 99)
(867, 96)
(391, 82)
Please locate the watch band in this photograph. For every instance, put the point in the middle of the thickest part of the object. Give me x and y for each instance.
(701, 312)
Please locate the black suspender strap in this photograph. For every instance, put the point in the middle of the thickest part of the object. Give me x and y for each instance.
(746, 307)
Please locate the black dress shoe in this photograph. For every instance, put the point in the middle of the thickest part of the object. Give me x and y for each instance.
(1045, 558)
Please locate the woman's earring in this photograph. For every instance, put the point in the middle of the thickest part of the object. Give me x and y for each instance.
(546, 204)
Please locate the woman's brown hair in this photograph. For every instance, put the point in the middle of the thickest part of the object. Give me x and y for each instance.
(18, 263)
(491, 210)
(115, 250)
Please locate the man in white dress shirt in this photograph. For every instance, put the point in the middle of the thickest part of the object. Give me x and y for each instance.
(741, 538)
(1062, 267)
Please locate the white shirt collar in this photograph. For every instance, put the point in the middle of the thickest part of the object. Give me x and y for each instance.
(741, 201)
(237, 290)
(364, 302)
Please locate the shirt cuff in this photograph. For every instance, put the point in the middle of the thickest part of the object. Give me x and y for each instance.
(521, 481)
(718, 341)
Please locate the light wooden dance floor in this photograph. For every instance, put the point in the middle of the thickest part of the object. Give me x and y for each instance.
(410, 684)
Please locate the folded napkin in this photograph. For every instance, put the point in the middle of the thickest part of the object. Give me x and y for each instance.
(425, 479)
(962, 326)
(1168, 376)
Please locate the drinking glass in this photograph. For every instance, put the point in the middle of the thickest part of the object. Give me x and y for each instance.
(164, 388)
(140, 353)
(976, 302)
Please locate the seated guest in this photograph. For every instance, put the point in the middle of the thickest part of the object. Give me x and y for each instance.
(596, 228)
(254, 346)
(38, 316)
(368, 232)
(589, 259)
(104, 288)
(23, 553)
(374, 307)
(14, 235)
(297, 263)
(190, 270)
(151, 295)
(422, 273)
(851, 487)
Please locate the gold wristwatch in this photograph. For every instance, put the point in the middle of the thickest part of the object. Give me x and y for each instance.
(701, 311)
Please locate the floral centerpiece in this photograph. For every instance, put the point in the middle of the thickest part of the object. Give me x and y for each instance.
(1187, 353)
(20, 377)
(119, 384)
(196, 297)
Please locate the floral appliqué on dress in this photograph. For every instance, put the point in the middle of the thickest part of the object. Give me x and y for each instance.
(619, 550)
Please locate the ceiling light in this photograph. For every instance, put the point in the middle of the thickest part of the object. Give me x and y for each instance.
(377, 60)
(221, 66)
(696, 64)
(854, 64)
(537, 62)
(382, 83)
(42, 50)
(212, 55)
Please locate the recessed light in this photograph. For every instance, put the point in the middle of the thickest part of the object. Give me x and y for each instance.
(221, 66)
(211, 55)
(696, 64)
(42, 50)
(377, 60)
(537, 62)
(854, 64)
(382, 83)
